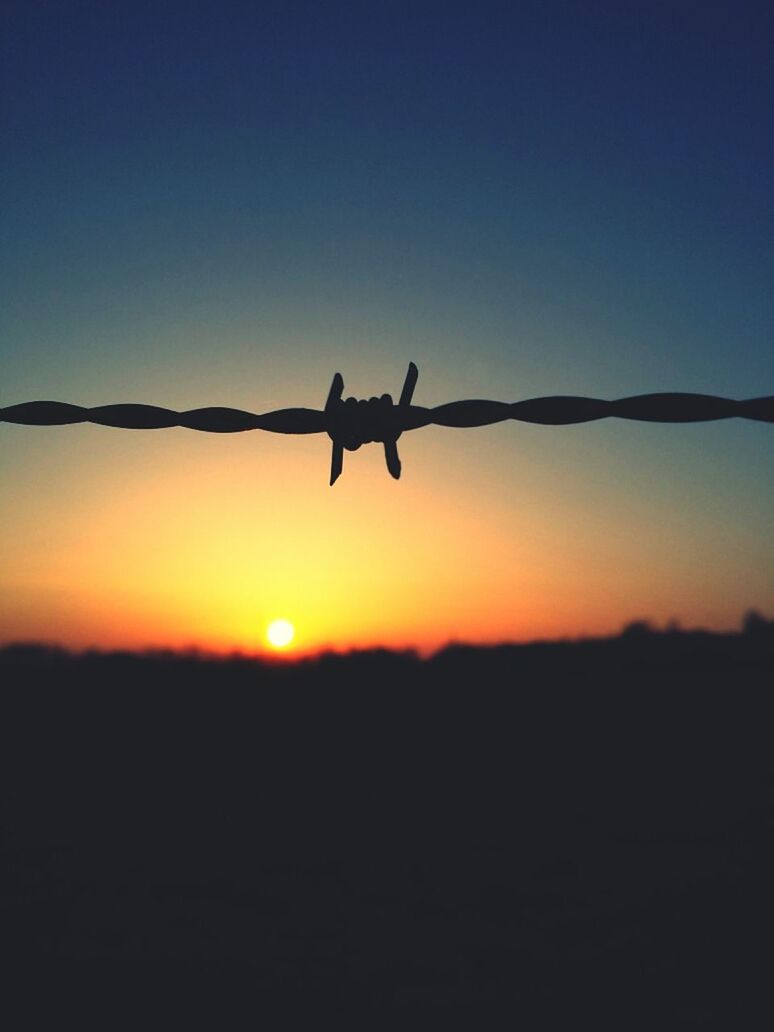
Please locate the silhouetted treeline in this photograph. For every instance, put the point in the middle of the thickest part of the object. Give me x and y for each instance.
(534, 833)
(640, 646)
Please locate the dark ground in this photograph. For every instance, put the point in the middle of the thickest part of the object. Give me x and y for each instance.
(532, 837)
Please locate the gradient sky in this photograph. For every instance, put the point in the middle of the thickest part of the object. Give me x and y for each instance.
(225, 203)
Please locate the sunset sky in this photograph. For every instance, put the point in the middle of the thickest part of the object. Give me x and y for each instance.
(225, 203)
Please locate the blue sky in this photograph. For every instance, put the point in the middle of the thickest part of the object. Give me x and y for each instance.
(587, 184)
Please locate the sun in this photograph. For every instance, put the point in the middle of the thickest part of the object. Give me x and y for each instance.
(280, 633)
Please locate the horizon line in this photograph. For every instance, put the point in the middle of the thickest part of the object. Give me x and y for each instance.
(638, 629)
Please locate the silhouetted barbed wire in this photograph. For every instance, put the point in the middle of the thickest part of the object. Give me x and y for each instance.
(351, 423)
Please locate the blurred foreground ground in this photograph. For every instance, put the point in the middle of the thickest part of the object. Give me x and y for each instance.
(530, 836)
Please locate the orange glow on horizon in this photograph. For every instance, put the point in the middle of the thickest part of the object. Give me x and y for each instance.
(179, 540)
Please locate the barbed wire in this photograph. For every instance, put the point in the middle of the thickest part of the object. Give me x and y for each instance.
(351, 423)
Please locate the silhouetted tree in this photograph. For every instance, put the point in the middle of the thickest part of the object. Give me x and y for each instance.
(637, 630)
(756, 625)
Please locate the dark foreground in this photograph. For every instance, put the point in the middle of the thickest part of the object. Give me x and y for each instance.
(543, 837)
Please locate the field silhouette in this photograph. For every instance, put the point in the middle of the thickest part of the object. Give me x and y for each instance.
(520, 835)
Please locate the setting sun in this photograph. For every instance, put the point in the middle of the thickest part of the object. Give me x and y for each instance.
(280, 633)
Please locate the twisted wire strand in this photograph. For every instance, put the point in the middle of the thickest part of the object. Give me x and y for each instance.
(549, 411)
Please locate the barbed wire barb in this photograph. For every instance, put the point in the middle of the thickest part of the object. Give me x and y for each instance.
(351, 423)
